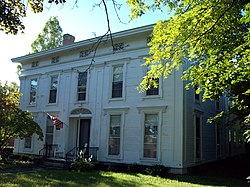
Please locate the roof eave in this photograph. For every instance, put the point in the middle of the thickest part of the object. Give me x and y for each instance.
(81, 44)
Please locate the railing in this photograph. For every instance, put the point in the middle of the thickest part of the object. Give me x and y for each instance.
(48, 150)
(77, 153)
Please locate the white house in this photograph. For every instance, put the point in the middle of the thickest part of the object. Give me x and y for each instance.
(97, 100)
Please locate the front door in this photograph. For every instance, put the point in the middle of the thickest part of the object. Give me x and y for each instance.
(84, 134)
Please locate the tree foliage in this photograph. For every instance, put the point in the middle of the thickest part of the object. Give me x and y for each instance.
(13, 11)
(214, 35)
(50, 37)
(14, 123)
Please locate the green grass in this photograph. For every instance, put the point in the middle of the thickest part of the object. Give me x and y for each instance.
(108, 179)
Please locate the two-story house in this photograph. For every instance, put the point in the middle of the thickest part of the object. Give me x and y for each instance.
(93, 92)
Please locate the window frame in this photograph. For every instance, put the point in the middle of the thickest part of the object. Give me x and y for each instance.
(158, 110)
(113, 137)
(123, 81)
(109, 113)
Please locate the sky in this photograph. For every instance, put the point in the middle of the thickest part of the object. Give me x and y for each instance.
(82, 21)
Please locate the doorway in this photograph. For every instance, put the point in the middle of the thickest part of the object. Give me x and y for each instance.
(84, 135)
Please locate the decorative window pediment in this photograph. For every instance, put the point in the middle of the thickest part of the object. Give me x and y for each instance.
(80, 111)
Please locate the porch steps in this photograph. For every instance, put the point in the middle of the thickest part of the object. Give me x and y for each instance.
(55, 164)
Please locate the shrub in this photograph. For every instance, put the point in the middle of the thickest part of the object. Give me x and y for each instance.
(82, 165)
(157, 170)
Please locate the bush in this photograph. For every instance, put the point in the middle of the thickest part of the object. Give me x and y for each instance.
(82, 166)
(157, 170)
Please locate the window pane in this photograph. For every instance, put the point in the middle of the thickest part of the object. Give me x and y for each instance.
(27, 142)
(82, 86)
(52, 96)
(33, 88)
(82, 79)
(197, 137)
(117, 83)
(150, 150)
(150, 135)
(152, 90)
(117, 89)
(114, 135)
(114, 146)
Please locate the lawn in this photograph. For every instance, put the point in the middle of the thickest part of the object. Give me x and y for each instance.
(107, 179)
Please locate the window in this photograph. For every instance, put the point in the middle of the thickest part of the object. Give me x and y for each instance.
(150, 136)
(55, 60)
(114, 135)
(82, 86)
(217, 105)
(33, 90)
(53, 89)
(117, 84)
(196, 96)
(197, 137)
(153, 90)
(27, 142)
(34, 64)
(49, 132)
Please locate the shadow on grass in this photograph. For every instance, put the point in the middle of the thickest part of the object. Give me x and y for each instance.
(229, 172)
(65, 178)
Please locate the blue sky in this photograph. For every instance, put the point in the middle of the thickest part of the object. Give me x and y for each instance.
(82, 21)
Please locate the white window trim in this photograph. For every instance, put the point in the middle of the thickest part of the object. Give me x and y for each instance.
(87, 87)
(124, 68)
(201, 124)
(49, 86)
(143, 112)
(122, 113)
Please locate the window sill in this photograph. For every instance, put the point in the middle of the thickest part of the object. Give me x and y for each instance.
(32, 105)
(117, 158)
(81, 102)
(150, 160)
(117, 99)
(152, 97)
(51, 104)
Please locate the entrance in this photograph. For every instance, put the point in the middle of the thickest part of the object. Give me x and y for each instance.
(84, 135)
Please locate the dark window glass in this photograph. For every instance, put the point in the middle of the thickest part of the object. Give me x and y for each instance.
(82, 86)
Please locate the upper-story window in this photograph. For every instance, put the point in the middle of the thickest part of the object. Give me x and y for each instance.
(55, 59)
(82, 86)
(34, 64)
(153, 90)
(117, 82)
(196, 95)
(33, 90)
(53, 89)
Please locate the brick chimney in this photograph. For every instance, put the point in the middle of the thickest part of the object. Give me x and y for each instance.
(68, 39)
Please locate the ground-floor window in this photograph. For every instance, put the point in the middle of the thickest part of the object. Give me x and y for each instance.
(27, 142)
(150, 136)
(197, 137)
(114, 142)
(49, 132)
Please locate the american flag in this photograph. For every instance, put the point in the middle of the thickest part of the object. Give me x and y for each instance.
(58, 123)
